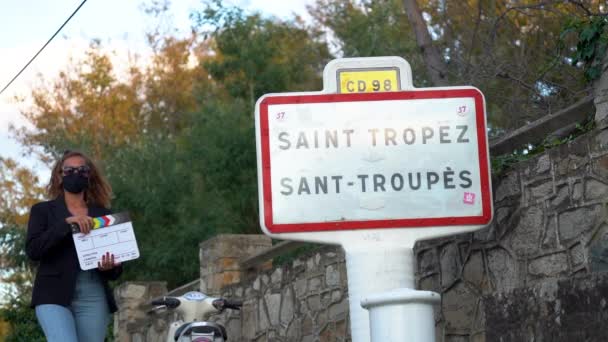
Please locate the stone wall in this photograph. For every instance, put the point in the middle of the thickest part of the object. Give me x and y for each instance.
(550, 226)
(303, 300)
(131, 322)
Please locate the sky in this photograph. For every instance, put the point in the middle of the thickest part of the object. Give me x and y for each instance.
(25, 25)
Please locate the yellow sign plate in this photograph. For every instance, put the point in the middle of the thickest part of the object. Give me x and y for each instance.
(368, 80)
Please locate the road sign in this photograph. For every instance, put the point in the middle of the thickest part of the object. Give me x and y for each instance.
(365, 161)
(366, 156)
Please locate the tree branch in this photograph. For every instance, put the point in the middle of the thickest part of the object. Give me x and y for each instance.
(538, 6)
(435, 65)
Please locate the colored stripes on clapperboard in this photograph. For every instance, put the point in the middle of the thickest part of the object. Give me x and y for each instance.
(105, 221)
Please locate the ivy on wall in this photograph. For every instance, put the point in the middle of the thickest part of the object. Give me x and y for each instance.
(592, 35)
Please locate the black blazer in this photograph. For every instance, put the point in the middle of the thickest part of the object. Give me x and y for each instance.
(49, 241)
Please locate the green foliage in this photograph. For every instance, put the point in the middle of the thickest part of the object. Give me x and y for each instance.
(187, 187)
(20, 189)
(371, 28)
(592, 37)
(17, 275)
(255, 55)
(22, 318)
(185, 190)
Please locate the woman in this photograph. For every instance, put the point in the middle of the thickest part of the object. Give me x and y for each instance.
(71, 305)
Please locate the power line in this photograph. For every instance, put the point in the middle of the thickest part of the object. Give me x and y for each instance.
(42, 48)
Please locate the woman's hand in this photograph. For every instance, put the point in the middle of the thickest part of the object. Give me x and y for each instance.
(84, 222)
(107, 262)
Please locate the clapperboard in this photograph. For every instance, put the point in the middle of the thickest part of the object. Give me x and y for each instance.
(110, 234)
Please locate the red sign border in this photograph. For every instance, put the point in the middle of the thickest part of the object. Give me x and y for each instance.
(371, 224)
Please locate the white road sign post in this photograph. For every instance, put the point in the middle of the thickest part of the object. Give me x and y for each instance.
(374, 165)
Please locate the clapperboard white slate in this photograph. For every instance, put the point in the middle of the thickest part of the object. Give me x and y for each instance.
(110, 234)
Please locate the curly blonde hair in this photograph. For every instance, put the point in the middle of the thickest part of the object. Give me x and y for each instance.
(99, 191)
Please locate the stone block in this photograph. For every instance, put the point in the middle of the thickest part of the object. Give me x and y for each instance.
(307, 326)
(486, 234)
(427, 261)
(336, 296)
(595, 190)
(263, 321)
(458, 306)
(577, 255)
(502, 214)
(540, 189)
(342, 330)
(600, 93)
(508, 187)
(321, 319)
(338, 311)
(562, 198)
(450, 265)
(332, 276)
(293, 331)
(314, 303)
(220, 257)
(577, 222)
(327, 334)
(543, 164)
(287, 306)
(570, 165)
(600, 165)
(314, 284)
(598, 250)
(431, 283)
(273, 303)
(549, 265)
(474, 271)
(550, 237)
(277, 276)
(577, 191)
(249, 312)
(300, 287)
(525, 237)
(133, 291)
(503, 269)
(233, 326)
(308, 338)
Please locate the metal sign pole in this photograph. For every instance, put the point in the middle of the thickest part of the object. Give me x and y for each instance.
(372, 271)
(402, 315)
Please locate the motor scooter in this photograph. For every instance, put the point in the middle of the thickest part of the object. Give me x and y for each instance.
(195, 308)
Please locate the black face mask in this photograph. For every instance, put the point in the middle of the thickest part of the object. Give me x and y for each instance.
(75, 183)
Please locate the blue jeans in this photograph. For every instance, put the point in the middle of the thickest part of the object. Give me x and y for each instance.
(86, 319)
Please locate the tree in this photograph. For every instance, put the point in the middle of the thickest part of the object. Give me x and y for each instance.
(90, 107)
(511, 50)
(435, 64)
(253, 55)
(204, 177)
(20, 190)
(370, 28)
(86, 107)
